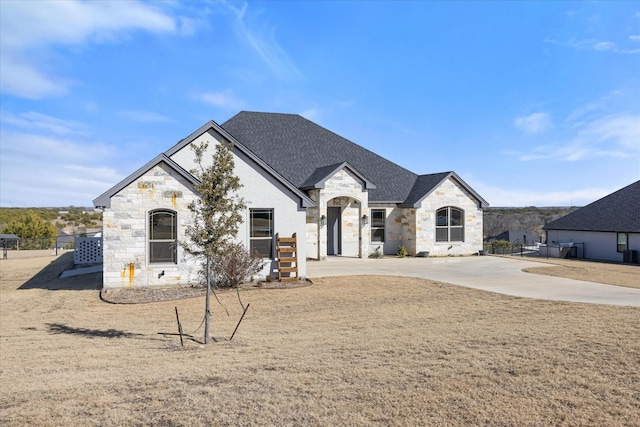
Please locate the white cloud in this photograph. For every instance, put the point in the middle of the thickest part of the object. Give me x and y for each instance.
(24, 80)
(601, 46)
(262, 40)
(498, 196)
(312, 114)
(616, 135)
(34, 120)
(144, 116)
(26, 28)
(225, 99)
(534, 123)
(635, 38)
(38, 170)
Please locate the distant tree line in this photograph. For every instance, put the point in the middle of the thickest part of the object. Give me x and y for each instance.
(34, 231)
(38, 227)
(529, 219)
(76, 216)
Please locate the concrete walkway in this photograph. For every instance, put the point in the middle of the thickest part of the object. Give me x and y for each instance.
(495, 274)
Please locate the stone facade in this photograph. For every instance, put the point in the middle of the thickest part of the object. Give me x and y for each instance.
(449, 193)
(337, 212)
(125, 230)
(346, 191)
(415, 228)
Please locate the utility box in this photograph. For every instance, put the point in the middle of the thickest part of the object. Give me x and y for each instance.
(630, 256)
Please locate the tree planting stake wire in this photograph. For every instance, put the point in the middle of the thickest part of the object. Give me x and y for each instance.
(179, 327)
(242, 317)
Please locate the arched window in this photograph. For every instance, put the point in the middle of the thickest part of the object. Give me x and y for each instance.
(449, 225)
(163, 236)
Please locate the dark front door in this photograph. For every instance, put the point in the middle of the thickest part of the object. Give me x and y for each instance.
(334, 227)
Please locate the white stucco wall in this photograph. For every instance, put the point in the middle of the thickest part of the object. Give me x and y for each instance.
(260, 190)
(125, 229)
(597, 245)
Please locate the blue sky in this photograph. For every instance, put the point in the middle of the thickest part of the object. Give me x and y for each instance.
(531, 103)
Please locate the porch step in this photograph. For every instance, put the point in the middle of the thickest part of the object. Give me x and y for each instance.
(287, 252)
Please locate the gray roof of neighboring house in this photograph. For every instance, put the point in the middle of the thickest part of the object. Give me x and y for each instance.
(297, 148)
(617, 212)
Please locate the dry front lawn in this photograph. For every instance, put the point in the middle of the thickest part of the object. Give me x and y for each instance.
(627, 275)
(344, 351)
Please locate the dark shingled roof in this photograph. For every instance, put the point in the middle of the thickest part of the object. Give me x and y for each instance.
(617, 212)
(301, 150)
(423, 186)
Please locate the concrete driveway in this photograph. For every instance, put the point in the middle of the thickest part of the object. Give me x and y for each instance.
(495, 274)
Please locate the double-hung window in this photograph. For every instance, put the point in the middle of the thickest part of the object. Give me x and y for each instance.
(623, 242)
(449, 225)
(377, 225)
(163, 238)
(261, 231)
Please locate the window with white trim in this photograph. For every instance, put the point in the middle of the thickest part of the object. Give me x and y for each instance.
(377, 225)
(449, 225)
(261, 231)
(163, 236)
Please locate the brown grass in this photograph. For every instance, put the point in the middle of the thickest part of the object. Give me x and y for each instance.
(626, 275)
(352, 351)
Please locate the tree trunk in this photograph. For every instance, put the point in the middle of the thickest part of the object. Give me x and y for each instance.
(207, 313)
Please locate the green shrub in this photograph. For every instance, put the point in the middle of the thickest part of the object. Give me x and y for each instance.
(402, 251)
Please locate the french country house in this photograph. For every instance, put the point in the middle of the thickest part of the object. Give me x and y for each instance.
(309, 192)
(607, 229)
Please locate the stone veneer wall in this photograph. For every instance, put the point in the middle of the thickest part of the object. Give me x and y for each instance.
(125, 230)
(393, 233)
(312, 226)
(353, 199)
(415, 228)
(448, 194)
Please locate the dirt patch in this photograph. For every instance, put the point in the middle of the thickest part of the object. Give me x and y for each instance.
(173, 293)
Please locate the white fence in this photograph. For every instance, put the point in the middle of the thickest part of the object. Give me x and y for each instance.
(88, 250)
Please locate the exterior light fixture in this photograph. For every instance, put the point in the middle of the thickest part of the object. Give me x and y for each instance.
(364, 220)
(323, 220)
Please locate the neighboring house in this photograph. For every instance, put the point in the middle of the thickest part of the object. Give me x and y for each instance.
(607, 229)
(298, 177)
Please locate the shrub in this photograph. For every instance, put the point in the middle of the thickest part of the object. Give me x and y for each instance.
(402, 251)
(235, 266)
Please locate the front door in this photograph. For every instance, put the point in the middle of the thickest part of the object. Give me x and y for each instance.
(334, 228)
